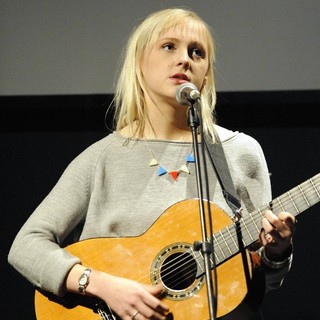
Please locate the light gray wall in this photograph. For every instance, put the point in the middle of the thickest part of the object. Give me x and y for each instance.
(72, 46)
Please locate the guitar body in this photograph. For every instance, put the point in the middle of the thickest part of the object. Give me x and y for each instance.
(145, 258)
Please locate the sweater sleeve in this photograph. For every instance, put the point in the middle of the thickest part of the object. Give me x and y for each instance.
(274, 277)
(36, 251)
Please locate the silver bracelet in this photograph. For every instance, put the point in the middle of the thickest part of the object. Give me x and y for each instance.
(273, 264)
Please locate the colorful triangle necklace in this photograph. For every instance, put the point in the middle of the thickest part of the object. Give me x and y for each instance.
(175, 173)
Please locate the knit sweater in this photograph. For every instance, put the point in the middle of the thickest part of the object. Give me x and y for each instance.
(110, 190)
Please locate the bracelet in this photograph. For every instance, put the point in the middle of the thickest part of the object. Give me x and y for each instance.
(274, 264)
(84, 280)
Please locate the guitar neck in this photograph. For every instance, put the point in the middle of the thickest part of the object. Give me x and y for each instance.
(295, 201)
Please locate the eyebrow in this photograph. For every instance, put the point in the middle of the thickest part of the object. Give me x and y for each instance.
(178, 40)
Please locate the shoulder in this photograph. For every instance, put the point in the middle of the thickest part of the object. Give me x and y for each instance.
(90, 156)
(102, 146)
(233, 138)
(241, 147)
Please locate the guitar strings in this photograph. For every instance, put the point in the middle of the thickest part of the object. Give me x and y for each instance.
(177, 263)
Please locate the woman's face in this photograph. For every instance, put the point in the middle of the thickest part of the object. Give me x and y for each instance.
(178, 56)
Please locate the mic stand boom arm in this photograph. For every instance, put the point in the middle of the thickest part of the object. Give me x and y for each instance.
(205, 247)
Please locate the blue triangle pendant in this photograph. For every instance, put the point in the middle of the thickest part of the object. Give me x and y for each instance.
(161, 171)
(190, 158)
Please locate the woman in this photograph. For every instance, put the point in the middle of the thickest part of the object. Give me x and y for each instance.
(122, 184)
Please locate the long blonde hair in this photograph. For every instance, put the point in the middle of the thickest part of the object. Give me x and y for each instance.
(129, 98)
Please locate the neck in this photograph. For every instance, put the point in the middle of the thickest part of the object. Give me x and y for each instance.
(167, 122)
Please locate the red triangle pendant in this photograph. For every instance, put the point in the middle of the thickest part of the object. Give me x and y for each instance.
(174, 175)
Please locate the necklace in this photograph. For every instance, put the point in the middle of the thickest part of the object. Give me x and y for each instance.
(174, 173)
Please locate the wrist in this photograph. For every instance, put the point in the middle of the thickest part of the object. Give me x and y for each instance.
(84, 280)
(97, 283)
(277, 257)
(276, 261)
(91, 281)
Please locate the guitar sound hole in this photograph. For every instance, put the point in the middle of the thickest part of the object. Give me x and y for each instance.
(179, 271)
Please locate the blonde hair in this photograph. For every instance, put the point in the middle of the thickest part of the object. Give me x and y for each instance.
(129, 94)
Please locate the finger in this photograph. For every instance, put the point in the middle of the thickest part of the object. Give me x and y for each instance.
(151, 307)
(266, 225)
(157, 291)
(288, 219)
(282, 221)
(136, 315)
(272, 219)
(149, 313)
(279, 226)
(271, 236)
(154, 290)
(266, 237)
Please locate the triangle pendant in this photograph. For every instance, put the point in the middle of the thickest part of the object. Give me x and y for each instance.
(153, 162)
(190, 158)
(174, 175)
(185, 169)
(161, 171)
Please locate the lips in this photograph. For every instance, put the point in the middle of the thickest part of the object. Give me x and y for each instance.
(181, 76)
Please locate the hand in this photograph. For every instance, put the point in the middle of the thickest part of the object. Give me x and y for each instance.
(128, 299)
(276, 234)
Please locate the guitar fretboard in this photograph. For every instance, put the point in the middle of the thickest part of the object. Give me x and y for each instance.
(295, 201)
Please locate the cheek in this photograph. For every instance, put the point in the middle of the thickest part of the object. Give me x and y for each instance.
(202, 76)
(143, 67)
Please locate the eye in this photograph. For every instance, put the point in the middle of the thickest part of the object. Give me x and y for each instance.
(199, 53)
(168, 46)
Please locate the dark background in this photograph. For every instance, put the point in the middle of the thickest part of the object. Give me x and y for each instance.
(40, 135)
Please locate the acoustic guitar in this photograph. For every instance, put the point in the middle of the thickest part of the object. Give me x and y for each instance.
(166, 254)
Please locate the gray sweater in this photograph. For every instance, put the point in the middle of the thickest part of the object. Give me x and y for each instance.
(110, 190)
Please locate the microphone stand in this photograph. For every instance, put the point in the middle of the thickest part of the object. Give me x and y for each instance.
(205, 247)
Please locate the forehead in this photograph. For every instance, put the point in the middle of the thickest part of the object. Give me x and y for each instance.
(189, 31)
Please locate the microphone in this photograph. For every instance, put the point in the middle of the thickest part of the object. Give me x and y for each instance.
(187, 93)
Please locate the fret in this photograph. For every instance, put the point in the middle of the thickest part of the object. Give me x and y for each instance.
(216, 241)
(245, 225)
(294, 205)
(280, 204)
(216, 257)
(254, 223)
(232, 238)
(314, 187)
(217, 260)
(304, 196)
(256, 217)
(246, 236)
(225, 242)
(260, 212)
(213, 263)
(254, 230)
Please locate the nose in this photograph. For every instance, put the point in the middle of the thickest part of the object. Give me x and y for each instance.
(184, 60)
